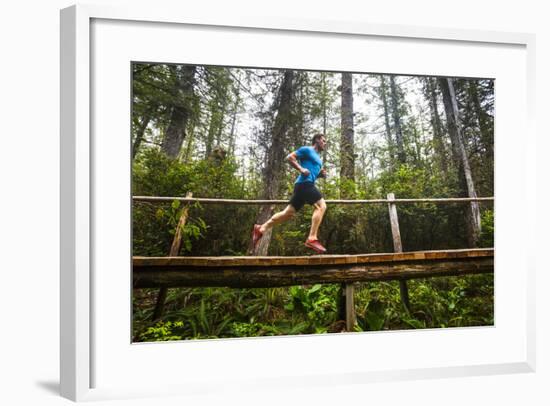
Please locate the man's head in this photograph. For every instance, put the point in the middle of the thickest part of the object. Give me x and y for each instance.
(319, 142)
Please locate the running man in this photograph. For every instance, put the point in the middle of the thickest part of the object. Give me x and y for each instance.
(307, 161)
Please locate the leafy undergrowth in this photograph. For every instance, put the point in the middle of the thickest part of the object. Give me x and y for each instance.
(206, 313)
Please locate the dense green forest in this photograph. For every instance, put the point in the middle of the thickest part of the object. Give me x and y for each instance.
(225, 132)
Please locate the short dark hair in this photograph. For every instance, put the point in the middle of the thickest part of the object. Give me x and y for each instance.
(316, 137)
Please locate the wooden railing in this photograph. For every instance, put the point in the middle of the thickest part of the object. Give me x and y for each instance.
(204, 200)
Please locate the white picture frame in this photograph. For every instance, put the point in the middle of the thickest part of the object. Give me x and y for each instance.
(77, 188)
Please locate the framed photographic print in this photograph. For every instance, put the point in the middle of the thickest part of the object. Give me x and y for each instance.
(241, 195)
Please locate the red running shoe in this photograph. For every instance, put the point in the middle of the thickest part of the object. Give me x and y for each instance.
(256, 235)
(316, 246)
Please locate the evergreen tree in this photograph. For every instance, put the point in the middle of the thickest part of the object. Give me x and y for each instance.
(181, 108)
(347, 144)
(275, 156)
(473, 216)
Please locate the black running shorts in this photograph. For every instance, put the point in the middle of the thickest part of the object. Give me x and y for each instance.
(305, 192)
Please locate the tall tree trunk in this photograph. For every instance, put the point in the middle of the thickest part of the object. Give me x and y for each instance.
(210, 137)
(180, 110)
(297, 133)
(473, 216)
(324, 101)
(300, 117)
(215, 127)
(217, 107)
(220, 126)
(187, 156)
(275, 158)
(347, 157)
(387, 126)
(324, 108)
(347, 165)
(140, 132)
(437, 127)
(234, 113)
(397, 121)
(417, 144)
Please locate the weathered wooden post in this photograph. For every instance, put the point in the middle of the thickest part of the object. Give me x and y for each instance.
(397, 247)
(346, 305)
(174, 251)
(350, 307)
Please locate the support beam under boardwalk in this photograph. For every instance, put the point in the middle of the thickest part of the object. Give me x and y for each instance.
(154, 272)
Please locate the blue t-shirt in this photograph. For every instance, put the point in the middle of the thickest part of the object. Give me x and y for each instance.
(309, 159)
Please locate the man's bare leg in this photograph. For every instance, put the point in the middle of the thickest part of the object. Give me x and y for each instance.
(278, 218)
(319, 209)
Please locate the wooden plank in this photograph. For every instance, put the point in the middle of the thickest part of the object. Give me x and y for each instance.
(317, 260)
(273, 276)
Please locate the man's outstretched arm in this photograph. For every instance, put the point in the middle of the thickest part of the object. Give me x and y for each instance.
(293, 161)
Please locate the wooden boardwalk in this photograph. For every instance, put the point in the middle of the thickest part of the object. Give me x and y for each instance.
(154, 272)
